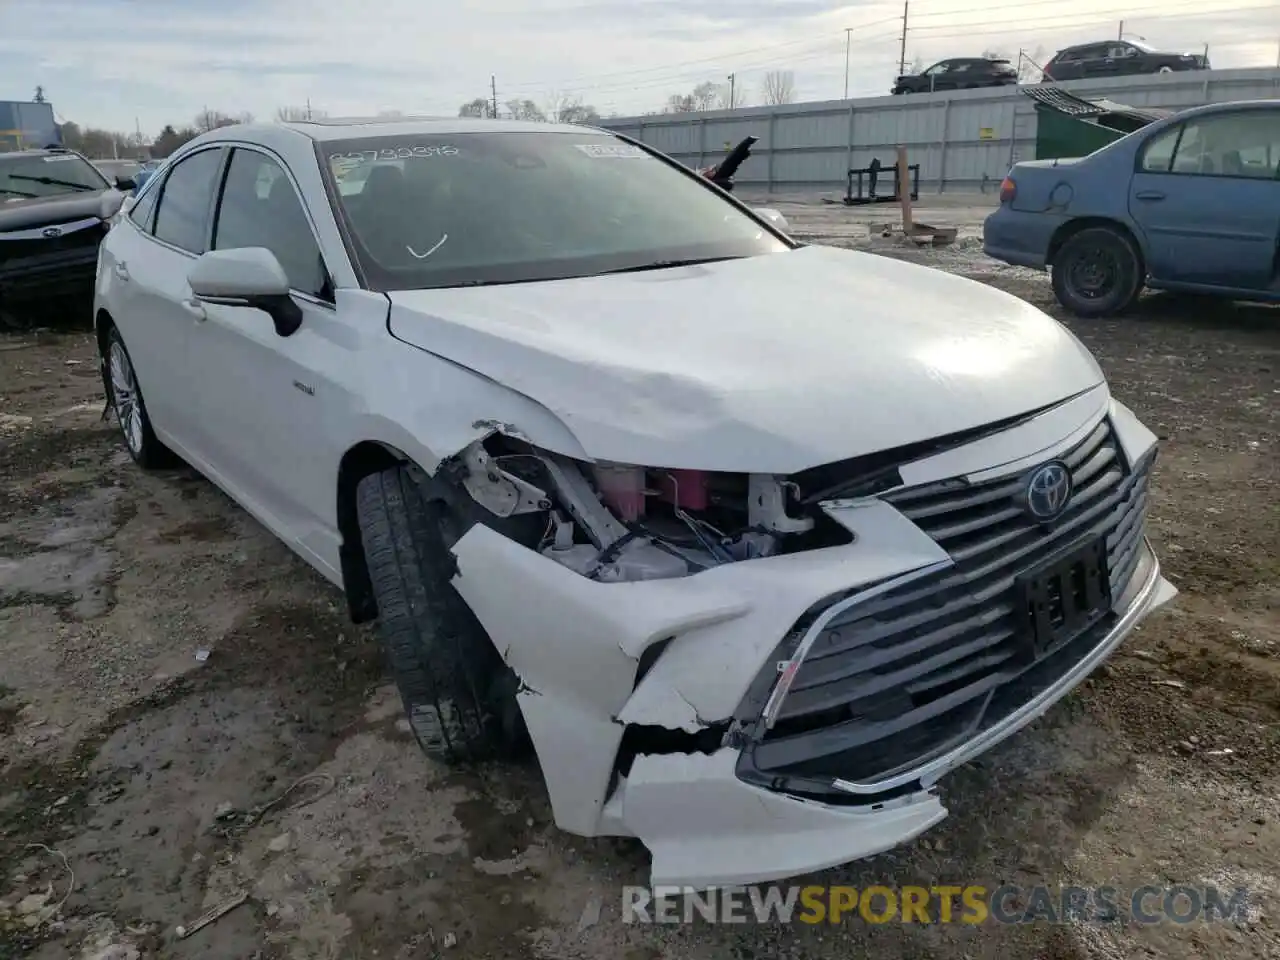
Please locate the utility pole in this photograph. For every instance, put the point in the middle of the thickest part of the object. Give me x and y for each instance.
(308, 108)
(847, 32)
(493, 88)
(902, 49)
(733, 83)
(1120, 35)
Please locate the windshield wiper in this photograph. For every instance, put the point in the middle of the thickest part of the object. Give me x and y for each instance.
(53, 181)
(474, 283)
(19, 193)
(666, 264)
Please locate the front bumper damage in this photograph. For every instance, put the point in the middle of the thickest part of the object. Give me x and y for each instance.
(635, 693)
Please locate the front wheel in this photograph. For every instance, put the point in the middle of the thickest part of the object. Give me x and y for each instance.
(459, 696)
(1165, 69)
(1098, 272)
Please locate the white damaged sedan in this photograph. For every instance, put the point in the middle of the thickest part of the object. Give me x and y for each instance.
(752, 541)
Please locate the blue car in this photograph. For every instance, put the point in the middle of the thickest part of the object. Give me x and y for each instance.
(1189, 203)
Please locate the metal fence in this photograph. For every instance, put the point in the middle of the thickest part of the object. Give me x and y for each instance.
(961, 139)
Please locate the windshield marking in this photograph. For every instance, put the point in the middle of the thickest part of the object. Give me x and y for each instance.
(420, 151)
(602, 151)
(423, 256)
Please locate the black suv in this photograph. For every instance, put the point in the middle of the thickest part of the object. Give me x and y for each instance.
(54, 209)
(961, 74)
(1118, 58)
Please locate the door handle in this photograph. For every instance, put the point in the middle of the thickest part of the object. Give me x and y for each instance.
(195, 308)
(121, 270)
(1149, 195)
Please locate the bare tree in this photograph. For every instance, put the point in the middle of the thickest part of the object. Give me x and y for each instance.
(730, 96)
(917, 66)
(207, 119)
(171, 139)
(566, 108)
(479, 107)
(524, 110)
(779, 87)
(293, 113)
(705, 96)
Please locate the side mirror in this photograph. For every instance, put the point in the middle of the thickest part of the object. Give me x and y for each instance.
(774, 217)
(246, 277)
(125, 184)
(110, 204)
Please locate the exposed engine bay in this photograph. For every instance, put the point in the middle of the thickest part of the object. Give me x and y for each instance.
(615, 522)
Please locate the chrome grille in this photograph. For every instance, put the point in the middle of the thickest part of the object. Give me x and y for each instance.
(906, 675)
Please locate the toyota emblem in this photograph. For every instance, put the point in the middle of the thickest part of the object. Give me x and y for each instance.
(1048, 491)
(51, 233)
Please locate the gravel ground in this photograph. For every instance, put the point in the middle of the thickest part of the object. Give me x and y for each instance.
(167, 670)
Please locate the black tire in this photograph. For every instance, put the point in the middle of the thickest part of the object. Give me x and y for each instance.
(458, 694)
(131, 410)
(1097, 272)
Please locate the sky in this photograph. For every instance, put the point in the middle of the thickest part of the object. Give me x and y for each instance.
(122, 64)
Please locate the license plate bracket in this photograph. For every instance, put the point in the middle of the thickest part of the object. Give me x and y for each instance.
(1063, 597)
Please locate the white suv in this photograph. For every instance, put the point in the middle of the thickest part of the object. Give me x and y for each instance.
(753, 540)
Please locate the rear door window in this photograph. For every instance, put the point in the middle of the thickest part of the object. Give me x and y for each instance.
(186, 199)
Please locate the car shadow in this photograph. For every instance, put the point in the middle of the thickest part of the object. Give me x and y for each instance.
(1200, 310)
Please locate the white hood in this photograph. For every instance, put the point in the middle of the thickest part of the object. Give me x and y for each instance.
(770, 364)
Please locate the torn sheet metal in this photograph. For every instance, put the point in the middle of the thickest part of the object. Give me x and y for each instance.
(576, 643)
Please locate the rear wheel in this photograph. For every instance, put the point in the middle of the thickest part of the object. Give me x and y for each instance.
(458, 694)
(1165, 69)
(1097, 272)
(125, 397)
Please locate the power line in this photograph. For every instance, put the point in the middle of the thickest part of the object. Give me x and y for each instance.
(1073, 20)
(659, 75)
(683, 63)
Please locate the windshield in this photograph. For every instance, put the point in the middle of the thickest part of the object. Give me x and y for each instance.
(47, 175)
(474, 208)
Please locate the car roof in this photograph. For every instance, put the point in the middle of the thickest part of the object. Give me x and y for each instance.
(1232, 106)
(354, 128)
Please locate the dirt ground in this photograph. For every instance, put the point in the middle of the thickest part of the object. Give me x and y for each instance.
(185, 713)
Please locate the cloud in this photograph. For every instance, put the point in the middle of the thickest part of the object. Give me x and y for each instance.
(116, 62)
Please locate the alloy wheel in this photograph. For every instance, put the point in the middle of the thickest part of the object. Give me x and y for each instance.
(125, 397)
